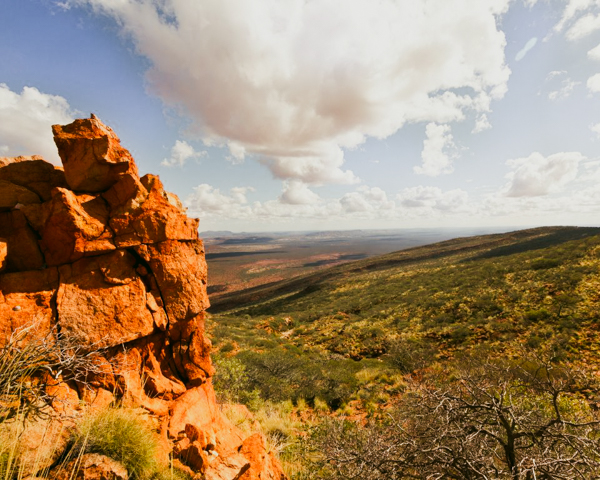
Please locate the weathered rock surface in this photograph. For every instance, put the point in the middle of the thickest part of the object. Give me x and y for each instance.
(73, 226)
(33, 173)
(92, 155)
(112, 260)
(91, 466)
(3, 253)
(26, 301)
(12, 195)
(23, 249)
(142, 212)
(106, 290)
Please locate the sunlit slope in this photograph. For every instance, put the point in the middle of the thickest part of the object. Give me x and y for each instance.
(530, 287)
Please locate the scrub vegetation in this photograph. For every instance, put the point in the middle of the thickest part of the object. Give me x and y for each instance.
(484, 349)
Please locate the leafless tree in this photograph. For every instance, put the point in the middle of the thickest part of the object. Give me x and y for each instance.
(525, 420)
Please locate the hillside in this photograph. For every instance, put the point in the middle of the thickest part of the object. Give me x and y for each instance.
(353, 338)
(526, 287)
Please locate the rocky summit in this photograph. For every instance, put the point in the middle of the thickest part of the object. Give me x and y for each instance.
(111, 259)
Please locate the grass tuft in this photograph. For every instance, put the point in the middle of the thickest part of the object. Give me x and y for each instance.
(122, 435)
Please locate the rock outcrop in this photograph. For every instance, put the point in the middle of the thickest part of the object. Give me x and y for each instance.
(112, 260)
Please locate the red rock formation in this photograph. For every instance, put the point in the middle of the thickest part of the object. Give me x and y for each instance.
(113, 260)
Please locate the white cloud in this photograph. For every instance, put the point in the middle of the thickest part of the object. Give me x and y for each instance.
(555, 73)
(584, 26)
(594, 53)
(209, 200)
(537, 175)
(26, 121)
(366, 199)
(565, 90)
(237, 151)
(528, 46)
(593, 83)
(433, 198)
(572, 9)
(482, 123)
(297, 193)
(181, 152)
(295, 202)
(435, 158)
(294, 83)
(596, 129)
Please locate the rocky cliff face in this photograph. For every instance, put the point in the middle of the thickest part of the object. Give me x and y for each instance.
(102, 255)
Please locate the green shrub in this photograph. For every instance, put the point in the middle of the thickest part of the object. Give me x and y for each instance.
(544, 263)
(535, 316)
(228, 347)
(231, 382)
(121, 435)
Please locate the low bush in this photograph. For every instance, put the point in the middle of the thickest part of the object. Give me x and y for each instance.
(122, 435)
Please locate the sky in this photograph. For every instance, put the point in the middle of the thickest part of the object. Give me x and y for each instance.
(278, 115)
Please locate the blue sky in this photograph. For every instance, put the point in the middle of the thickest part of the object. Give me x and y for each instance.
(325, 114)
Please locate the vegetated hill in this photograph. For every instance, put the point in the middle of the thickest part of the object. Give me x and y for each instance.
(352, 340)
(481, 246)
(527, 286)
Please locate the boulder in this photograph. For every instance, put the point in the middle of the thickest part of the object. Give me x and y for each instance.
(12, 195)
(4, 161)
(102, 301)
(184, 294)
(33, 173)
(74, 226)
(3, 253)
(229, 468)
(39, 444)
(191, 350)
(142, 212)
(263, 464)
(92, 155)
(27, 302)
(91, 466)
(22, 243)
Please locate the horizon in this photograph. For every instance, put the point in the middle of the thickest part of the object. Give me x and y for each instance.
(496, 229)
(295, 115)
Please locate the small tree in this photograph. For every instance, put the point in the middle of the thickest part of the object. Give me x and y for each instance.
(495, 420)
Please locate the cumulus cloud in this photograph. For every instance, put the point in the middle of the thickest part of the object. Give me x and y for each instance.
(295, 83)
(366, 199)
(296, 201)
(26, 119)
(181, 153)
(594, 53)
(433, 198)
(528, 46)
(297, 193)
(536, 175)
(596, 129)
(593, 83)
(572, 9)
(209, 200)
(435, 157)
(482, 123)
(584, 26)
